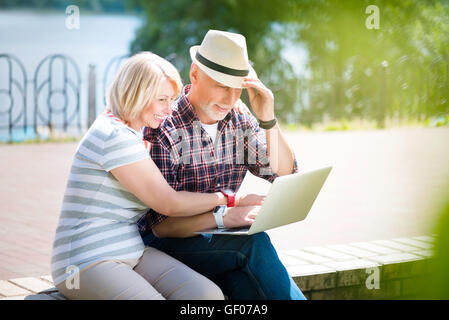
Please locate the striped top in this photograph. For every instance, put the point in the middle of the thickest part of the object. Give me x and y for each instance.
(98, 220)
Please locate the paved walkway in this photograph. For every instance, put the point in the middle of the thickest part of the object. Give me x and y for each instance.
(385, 184)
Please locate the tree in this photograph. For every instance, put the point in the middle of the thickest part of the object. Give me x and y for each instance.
(400, 69)
(172, 27)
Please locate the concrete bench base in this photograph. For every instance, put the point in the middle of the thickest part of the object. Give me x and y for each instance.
(383, 269)
(386, 269)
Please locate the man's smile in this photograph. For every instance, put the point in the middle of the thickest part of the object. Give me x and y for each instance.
(221, 109)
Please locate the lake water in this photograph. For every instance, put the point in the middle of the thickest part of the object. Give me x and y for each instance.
(32, 35)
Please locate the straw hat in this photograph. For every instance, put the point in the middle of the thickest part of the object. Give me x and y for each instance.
(223, 57)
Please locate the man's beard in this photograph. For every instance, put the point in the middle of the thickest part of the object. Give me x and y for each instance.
(214, 115)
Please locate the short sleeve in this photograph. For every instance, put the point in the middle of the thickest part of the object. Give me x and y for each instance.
(122, 147)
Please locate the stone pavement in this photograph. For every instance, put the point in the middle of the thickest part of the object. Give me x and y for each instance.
(338, 271)
(32, 186)
(384, 184)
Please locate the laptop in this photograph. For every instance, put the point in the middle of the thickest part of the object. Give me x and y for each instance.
(289, 200)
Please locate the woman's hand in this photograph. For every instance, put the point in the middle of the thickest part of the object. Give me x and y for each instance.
(249, 200)
(240, 216)
(241, 107)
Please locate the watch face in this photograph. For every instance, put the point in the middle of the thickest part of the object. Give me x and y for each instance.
(220, 209)
(228, 191)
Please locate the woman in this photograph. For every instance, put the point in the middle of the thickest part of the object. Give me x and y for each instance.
(112, 183)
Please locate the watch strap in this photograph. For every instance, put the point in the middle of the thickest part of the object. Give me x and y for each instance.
(219, 213)
(267, 125)
(230, 195)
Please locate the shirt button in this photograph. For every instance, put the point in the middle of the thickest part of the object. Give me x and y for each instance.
(218, 185)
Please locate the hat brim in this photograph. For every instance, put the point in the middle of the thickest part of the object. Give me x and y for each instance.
(223, 78)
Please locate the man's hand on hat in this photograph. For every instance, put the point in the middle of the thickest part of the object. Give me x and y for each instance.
(261, 98)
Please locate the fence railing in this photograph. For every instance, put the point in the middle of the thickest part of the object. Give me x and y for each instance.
(53, 106)
(20, 83)
(68, 85)
(54, 103)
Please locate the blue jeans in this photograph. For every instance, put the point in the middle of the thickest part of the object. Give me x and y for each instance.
(244, 267)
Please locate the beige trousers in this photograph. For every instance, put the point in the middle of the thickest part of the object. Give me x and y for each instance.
(154, 276)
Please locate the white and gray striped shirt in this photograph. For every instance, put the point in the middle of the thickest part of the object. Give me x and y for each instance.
(98, 217)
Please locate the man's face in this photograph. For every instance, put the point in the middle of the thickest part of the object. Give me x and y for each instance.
(213, 99)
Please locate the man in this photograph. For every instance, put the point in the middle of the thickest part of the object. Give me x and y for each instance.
(206, 146)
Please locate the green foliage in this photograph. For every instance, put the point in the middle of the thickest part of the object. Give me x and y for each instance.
(399, 70)
(375, 73)
(440, 122)
(435, 285)
(439, 286)
(172, 27)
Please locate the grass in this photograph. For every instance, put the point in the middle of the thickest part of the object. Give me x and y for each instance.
(364, 124)
(325, 126)
(48, 140)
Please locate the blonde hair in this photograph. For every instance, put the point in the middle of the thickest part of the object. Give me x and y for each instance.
(136, 84)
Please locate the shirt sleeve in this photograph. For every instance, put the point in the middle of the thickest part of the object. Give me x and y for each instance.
(122, 147)
(257, 152)
(166, 162)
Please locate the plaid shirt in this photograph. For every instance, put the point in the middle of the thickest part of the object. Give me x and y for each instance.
(190, 161)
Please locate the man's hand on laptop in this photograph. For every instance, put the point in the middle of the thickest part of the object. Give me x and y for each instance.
(249, 200)
(240, 216)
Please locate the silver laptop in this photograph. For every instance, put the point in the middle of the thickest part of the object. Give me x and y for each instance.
(289, 200)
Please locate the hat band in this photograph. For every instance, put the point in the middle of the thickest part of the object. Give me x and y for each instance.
(220, 68)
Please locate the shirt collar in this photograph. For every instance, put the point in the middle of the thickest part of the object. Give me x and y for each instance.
(185, 108)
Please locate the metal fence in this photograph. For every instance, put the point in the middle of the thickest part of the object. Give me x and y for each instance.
(19, 118)
(54, 102)
(53, 105)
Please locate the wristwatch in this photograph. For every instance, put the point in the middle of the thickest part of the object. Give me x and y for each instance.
(230, 195)
(219, 213)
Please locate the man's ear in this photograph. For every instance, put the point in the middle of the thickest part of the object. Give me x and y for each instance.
(194, 74)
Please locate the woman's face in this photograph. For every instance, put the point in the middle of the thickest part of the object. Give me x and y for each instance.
(154, 114)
